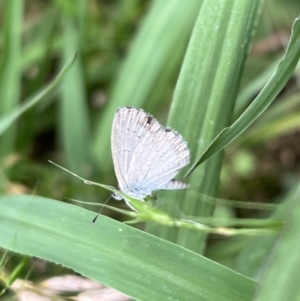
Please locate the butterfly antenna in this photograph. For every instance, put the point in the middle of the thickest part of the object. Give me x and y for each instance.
(95, 218)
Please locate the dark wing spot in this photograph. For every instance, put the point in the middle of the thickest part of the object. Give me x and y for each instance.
(149, 119)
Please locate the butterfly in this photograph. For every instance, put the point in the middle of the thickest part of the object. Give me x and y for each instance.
(146, 155)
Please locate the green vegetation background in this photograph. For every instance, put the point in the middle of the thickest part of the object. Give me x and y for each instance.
(196, 66)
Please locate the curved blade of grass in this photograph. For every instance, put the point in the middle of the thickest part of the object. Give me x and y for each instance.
(115, 254)
(8, 120)
(262, 101)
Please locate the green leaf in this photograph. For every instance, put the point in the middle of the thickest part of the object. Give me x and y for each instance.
(115, 254)
(204, 100)
(263, 100)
